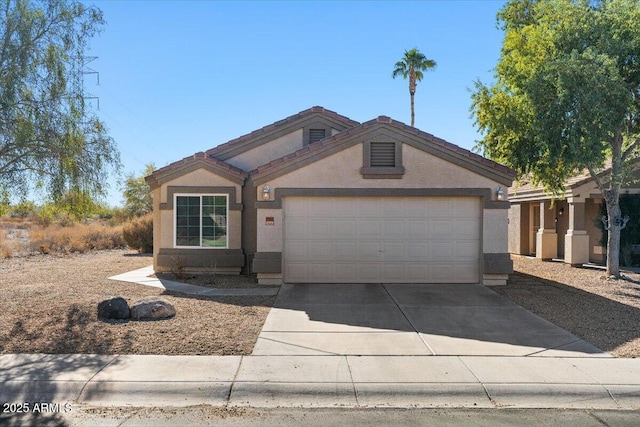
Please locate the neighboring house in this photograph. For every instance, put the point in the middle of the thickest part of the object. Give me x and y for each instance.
(320, 198)
(567, 229)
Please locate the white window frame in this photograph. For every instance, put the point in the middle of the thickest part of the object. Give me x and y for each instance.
(175, 220)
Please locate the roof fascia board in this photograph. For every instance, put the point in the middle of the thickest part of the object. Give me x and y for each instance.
(173, 173)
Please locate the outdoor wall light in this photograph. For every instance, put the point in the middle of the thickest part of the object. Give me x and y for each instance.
(500, 193)
(560, 211)
(266, 192)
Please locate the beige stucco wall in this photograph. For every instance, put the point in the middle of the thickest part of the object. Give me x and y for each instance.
(494, 231)
(515, 225)
(342, 170)
(275, 149)
(269, 236)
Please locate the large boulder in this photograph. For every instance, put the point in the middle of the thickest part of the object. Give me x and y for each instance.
(114, 308)
(152, 308)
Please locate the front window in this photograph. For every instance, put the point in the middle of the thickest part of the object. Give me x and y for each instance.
(201, 221)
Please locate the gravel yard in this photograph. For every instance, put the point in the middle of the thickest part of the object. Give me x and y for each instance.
(605, 313)
(49, 305)
(49, 302)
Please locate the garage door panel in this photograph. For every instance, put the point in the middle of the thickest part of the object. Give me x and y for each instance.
(394, 251)
(417, 272)
(392, 271)
(369, 251)
(297, 227)
(344, 229)
(440, 229)
(345, 272)
(467, 251)
(382, 239)
(441, 250)
(464, 205)
(367, 207)
(320, 272)
(367, 229)
(393, 210)
(417, 229)
(296, 250)
(345, 251)
(466, 272)
(319, 207)
(440, 208)
(296, 272)
(442, 272)
(344, 207)
(466, 229)
(318, 229)
(393, 229)
(319, 250)
(368, 272)
(418, 251)
(417, 207)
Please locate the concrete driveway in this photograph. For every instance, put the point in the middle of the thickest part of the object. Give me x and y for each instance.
(376, 319)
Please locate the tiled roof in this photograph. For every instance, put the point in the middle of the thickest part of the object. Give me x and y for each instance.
(525, 184)
(273, 126)
(200, 156)
(393, 123)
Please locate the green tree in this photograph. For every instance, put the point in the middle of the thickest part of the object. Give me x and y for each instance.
(411, 66)
(137, 194)
(48, 135)
(566, 97)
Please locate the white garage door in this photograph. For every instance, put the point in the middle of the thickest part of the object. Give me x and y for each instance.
(381, 239)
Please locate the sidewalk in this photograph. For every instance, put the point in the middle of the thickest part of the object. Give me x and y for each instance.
(142, 275)
(322, 381)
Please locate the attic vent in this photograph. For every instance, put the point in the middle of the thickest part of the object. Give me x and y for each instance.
(383, 154)
(316, 135)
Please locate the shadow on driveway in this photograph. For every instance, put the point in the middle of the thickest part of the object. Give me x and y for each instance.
(412, 319)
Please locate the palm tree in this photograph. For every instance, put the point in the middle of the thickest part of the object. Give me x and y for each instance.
(412, 65)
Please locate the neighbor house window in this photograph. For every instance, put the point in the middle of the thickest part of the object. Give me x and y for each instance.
(201, 220)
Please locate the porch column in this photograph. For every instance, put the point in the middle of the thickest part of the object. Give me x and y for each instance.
(547, 238)
(576, 241)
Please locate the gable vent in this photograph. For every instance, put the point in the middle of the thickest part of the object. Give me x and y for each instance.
(316, 135)
(383, 154)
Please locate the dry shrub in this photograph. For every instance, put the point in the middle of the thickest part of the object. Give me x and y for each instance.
(5, 249)
(77, 238)
(138, 233)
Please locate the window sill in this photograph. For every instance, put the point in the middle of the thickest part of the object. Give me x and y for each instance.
(382, 172)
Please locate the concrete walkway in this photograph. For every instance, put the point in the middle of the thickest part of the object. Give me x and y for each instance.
(141, 277)
(322, 381)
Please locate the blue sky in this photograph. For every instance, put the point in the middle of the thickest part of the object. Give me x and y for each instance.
(178, 77)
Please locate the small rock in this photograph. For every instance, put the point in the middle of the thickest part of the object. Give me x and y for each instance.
(114, 308)
(152, 308)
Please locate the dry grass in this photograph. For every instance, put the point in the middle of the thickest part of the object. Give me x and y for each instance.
(49, 305)
(5, 248)
(75, 238)
(605, 313)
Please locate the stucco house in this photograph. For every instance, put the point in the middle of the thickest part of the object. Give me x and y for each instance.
(566, 229)
(320, 198)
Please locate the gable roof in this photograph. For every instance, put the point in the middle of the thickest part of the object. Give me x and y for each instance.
(413, 136)
(192, 163)
(281, 127)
